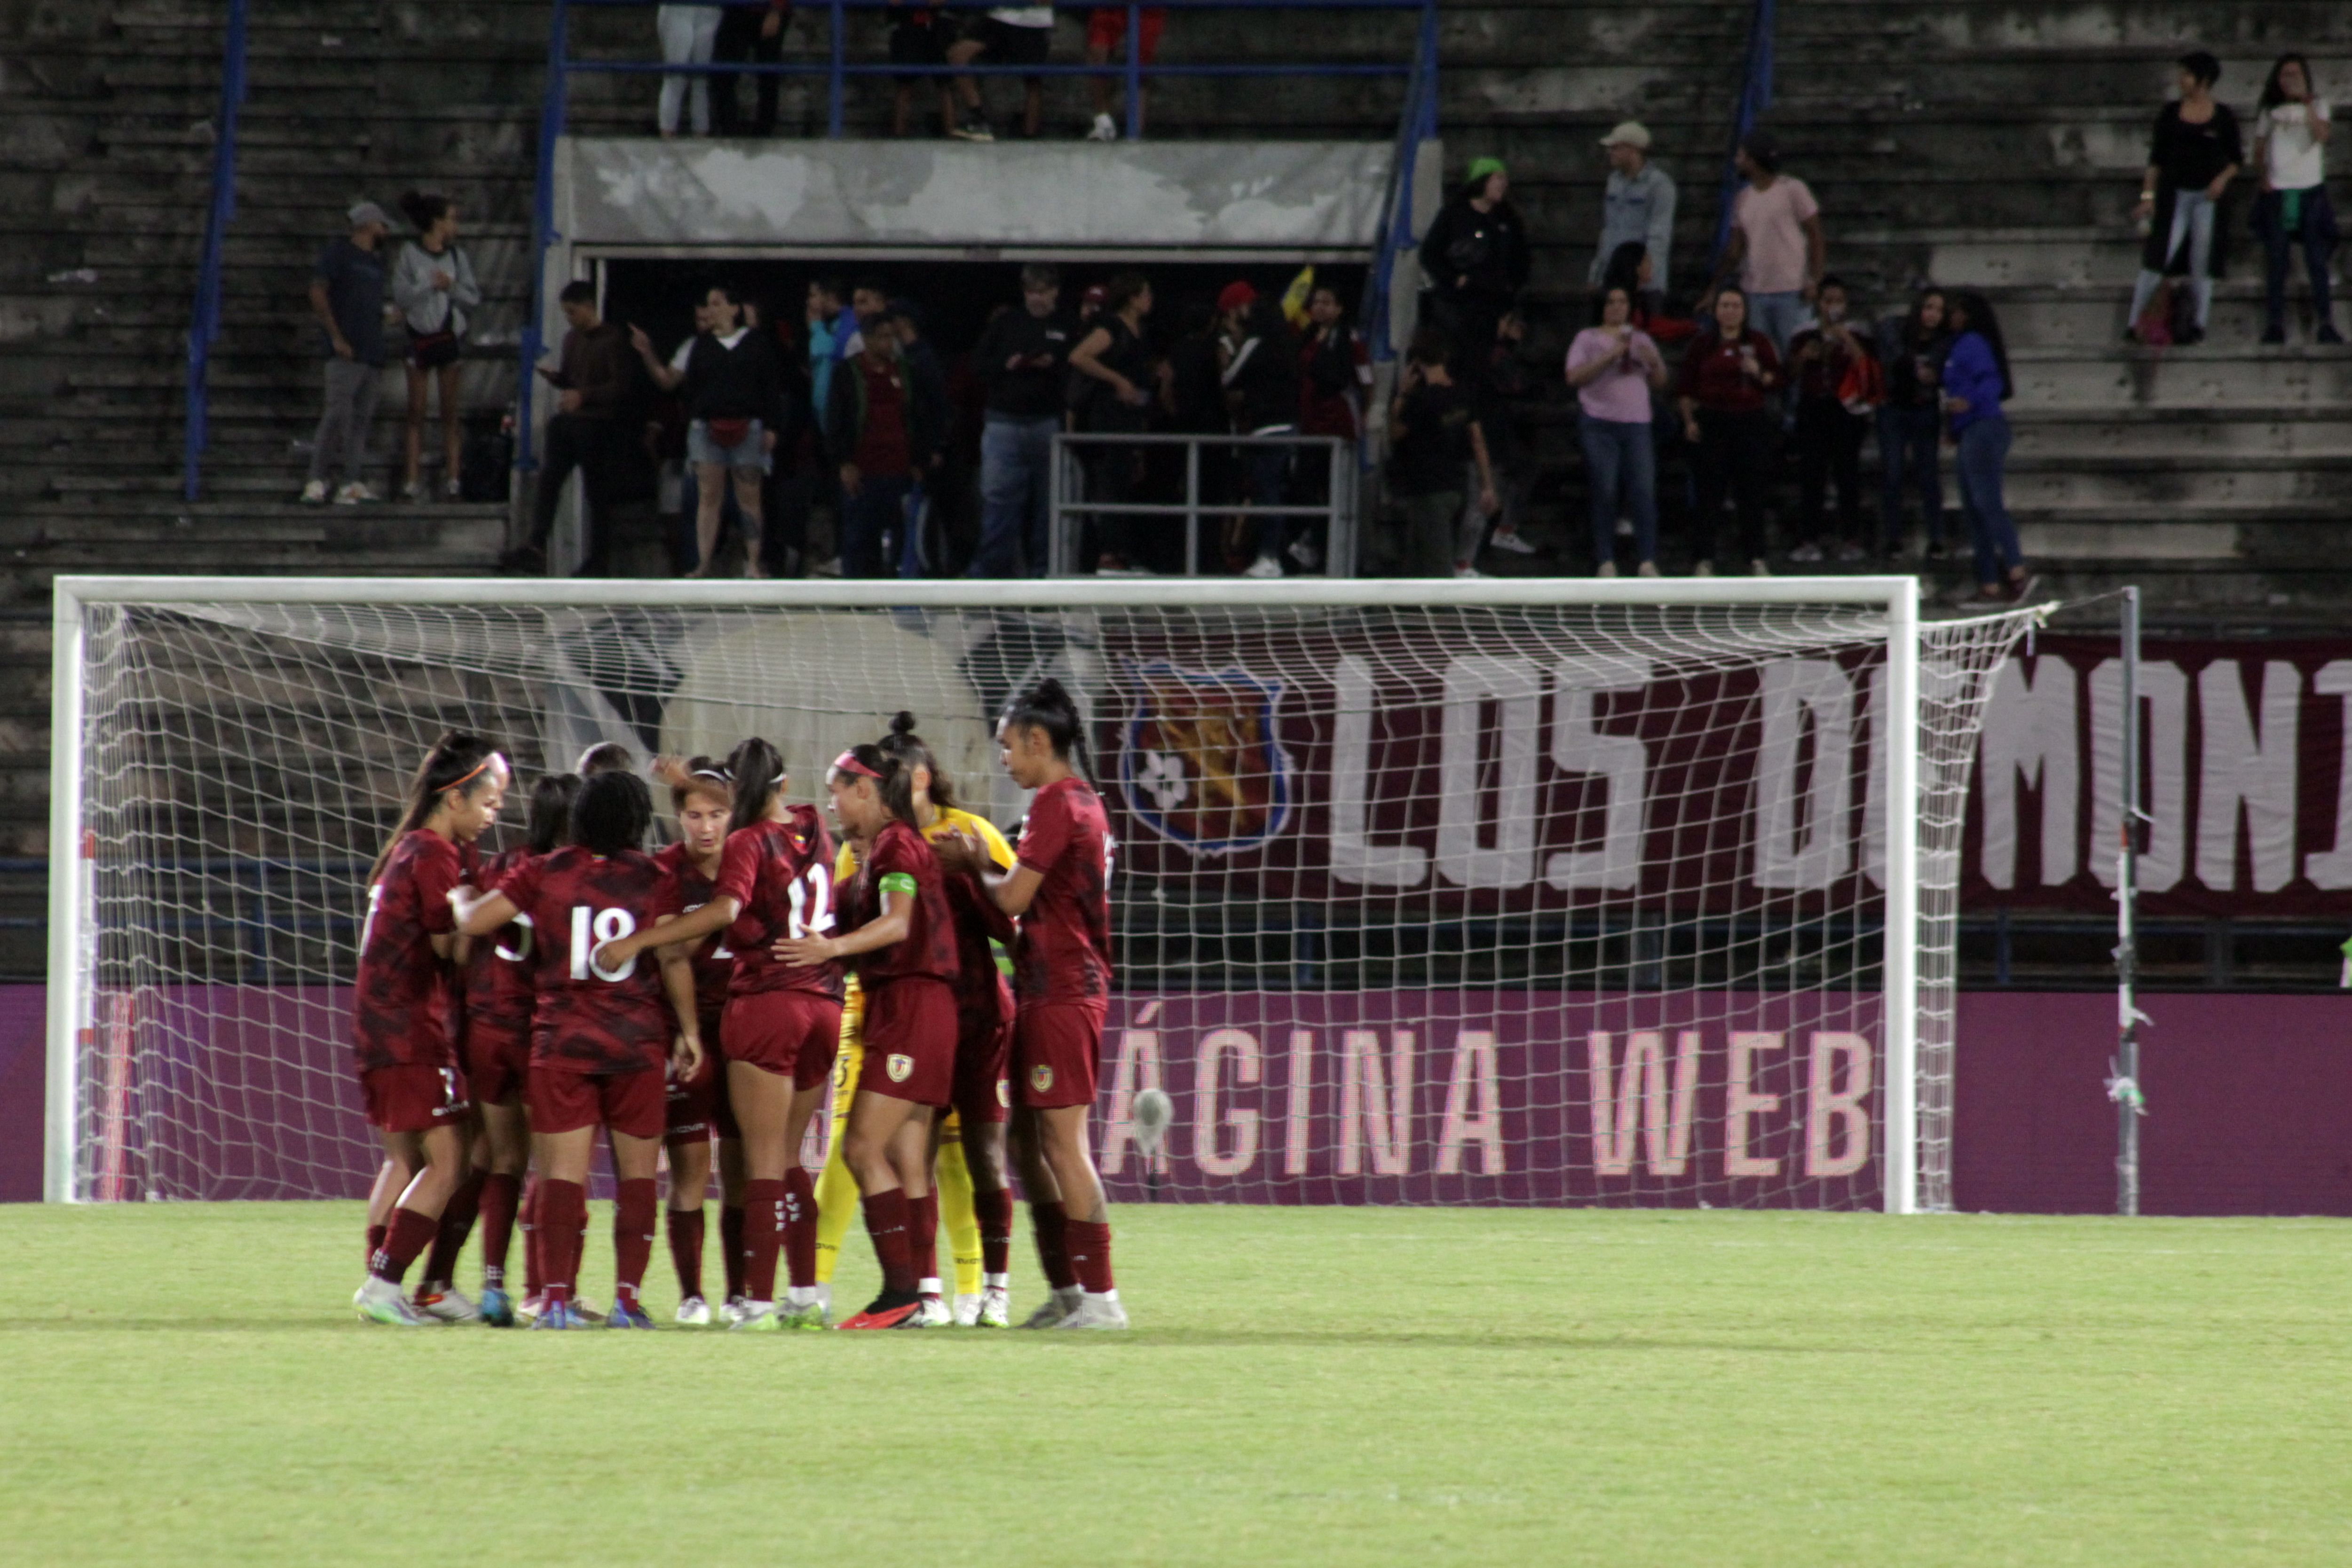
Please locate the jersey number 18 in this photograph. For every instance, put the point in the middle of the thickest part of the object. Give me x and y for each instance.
(591, 929)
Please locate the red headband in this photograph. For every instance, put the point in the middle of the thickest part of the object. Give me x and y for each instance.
(460, 783)
(847, 763)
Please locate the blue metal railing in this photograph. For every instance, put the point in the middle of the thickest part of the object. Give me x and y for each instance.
(1416, 124)
(1755, 98)
(1420, 109)
(204, 324)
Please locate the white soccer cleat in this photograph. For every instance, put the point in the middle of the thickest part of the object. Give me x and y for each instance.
(731, 1310)
(448, 1306)
(1095, 1311)
(527, 1310)
(380, 1302)
(1057, 1305)
(995, 1308)
(967, 1309)
(694, 1313)
(932, 1313)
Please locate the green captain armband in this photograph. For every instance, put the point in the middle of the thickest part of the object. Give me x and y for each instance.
(898, 882)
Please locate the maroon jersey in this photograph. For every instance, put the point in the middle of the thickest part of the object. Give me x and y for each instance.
(713, 962)
(500, 984)
(402, 1012)
(1064, 953)
(982, 998)
(589, 1018)
(928, 950)
(780, 875)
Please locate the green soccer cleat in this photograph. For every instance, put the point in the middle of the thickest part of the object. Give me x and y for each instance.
(380, 1302)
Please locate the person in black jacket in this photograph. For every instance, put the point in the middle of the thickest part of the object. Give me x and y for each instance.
(1118, 376)
(886, 428)
(1023, 357)
(2193, 153)
(1259, 354)
(731, 389)
(1474, 257)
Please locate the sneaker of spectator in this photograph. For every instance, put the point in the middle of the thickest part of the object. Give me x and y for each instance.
(1777, 248)
(1105, 27)
(1004, 35)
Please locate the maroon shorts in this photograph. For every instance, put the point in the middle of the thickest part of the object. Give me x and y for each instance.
(910, 1040)
(1056, 1052)
(562, 1100)
(981, 1092)
(498, 1060)
(793, 1034)
(415, 1098)
(697, 1106)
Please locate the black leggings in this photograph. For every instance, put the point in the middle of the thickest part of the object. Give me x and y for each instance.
(1735, 455)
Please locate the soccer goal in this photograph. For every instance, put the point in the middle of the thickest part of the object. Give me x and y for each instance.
(1535, 891)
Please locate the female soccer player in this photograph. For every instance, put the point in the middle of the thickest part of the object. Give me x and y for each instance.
(906, 938)
(1060, 890)
(702, 794)
(600, 1033)
(403, 1026)
(500, 992)
(782, 1019)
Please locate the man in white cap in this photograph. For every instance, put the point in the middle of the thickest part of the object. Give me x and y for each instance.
(347, 296)
(1638, 207)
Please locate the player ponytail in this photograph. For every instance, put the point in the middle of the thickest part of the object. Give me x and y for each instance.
(913, 752)
(458, 761)
(549, 823)
(756, 770)
(893, 781)
(612, 814)
(1047, 706)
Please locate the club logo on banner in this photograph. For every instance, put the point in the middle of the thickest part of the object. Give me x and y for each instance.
(1200, 761)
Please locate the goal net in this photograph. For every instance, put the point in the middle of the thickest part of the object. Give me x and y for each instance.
(1557, 892)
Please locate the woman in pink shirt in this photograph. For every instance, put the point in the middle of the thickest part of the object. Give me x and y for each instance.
(1614, 368)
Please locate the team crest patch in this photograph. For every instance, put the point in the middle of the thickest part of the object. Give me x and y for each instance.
(1201, 759)
(1005, 1092)
(1041, 1079)
(900, 1066)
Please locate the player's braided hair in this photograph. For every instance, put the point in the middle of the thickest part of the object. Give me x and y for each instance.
(1046, 705)
(612, 814)
(458, 761)
(893, 778)
(757, 771)
(549, 823)
(913, 752)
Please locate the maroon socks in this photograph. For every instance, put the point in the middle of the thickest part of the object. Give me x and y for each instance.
(457, 1224)
(686, 1249)
(376, 1233)
(993, 1209)
(923, 1235)
(1053, 1255)
(800, 1226)
(1089, 1247)
(633, 1210)
(409, 1234)
(563, 1228)
(499, 1194)
(730, 1247)
(886, 1223)
(763, 1231)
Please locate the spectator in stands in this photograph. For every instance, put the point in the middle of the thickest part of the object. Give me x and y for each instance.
(920, 35)
(754, 35)
(1637, 208)
(826, 333)
(1434, 440)
(1475, 259)
(1106, 25)
(1614, 367)
(2291, 135)
(1006, 36)
(1021, 358)
(1777, 248)
(933, 392)
(1120, 377)
(886, 429)
(727, 378)
(1727, 376)
(1911, 350)
(1506, 384)
(689, 36)
(1335, 369)
(1259, 372)
(433, 285)
(347, 296)
(591, 378)
(2192, 156)
(1836, 376)
(1976, 384)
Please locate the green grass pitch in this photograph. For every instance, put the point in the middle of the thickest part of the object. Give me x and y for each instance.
(184, 1384)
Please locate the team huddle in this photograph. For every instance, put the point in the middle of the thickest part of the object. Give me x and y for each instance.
(508, 1007)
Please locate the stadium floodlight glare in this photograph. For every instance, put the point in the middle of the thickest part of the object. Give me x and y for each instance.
(1517, 891)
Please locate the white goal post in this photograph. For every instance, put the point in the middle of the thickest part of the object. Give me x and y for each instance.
(1339, 818)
